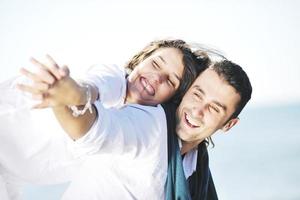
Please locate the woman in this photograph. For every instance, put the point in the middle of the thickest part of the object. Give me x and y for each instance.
(152, 81)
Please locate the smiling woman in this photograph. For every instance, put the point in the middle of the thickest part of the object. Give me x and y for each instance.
(157, 78)
(162, 71)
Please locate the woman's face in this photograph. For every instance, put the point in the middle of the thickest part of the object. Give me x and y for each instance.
(157, 78)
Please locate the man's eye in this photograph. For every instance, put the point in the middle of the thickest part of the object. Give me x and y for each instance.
(197, 95)
(215, 109)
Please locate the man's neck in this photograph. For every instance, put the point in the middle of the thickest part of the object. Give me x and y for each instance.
(188, 146)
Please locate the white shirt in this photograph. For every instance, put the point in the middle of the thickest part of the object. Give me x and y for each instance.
(189, 161)
(127, 147)
(128, 155)
(111, 145)
(33, 146)
(111, 82)
(36, 156)
(3, 189)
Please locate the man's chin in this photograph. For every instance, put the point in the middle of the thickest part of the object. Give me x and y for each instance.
(182, 136)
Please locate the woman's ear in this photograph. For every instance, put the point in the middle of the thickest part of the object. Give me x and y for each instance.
(230, 124)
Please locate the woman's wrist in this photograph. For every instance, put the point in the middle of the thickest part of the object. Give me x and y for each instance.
(84, 104)
(80, 97)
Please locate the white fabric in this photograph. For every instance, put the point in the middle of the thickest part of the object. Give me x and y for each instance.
(126, 149)
(111, 82)
(10, 187)
(129, 161)
(3, 189)
(32, 143)
(189, 161)
(33, 147)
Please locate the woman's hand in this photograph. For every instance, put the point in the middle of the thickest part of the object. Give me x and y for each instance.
(52, 85)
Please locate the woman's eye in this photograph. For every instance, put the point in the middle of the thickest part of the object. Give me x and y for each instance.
(154, 63)
(171, 83)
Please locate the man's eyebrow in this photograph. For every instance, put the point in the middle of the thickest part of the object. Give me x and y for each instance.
(220, 105)
(197, 87)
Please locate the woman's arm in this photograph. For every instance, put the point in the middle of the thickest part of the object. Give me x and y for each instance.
(76, 127)
(54, 87)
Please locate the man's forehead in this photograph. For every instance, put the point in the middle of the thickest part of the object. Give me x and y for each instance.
(206, 74)
(212, 85)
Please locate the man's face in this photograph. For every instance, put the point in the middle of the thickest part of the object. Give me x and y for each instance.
(206, 107)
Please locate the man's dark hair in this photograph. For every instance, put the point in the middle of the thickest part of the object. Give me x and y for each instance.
(235, 76)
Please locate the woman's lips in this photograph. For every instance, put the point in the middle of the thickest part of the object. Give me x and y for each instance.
(147, 86)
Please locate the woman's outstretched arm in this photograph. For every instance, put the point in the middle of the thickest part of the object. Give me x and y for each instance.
(54, 87)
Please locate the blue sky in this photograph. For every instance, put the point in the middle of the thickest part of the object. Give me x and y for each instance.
(262, 37)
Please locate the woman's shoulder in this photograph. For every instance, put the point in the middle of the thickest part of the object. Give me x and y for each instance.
(151, 113)
(146, 108)
(108, 69)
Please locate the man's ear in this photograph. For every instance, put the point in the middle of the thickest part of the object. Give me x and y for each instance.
(230, 124)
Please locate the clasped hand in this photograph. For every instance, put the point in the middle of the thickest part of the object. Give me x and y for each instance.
(52, 84)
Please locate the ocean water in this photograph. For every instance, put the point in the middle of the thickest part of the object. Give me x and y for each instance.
(259, 159)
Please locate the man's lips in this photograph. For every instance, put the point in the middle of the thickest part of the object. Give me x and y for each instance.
(147, 86)
(190, 122)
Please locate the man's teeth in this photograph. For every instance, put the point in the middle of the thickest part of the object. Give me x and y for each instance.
(191, 121)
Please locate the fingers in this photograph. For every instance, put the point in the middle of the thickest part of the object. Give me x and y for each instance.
(37, 80)
(53, 67)
(45, 82)
(43, 87)
(36, 95)
(44, 104)
(30, 75)
(44, 74)
(64, 71)
(29, 89)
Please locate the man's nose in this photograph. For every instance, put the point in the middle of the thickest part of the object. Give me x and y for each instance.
(198, 110)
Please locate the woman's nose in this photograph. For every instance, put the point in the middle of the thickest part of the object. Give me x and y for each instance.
(158, 78)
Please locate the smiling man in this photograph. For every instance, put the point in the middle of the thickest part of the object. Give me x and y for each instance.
(209, 105)
(212, 103)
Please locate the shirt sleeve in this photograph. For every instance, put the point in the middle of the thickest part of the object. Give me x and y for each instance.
(111, 83)
(132, 130)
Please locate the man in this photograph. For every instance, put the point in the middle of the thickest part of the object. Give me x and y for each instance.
(212, 103)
